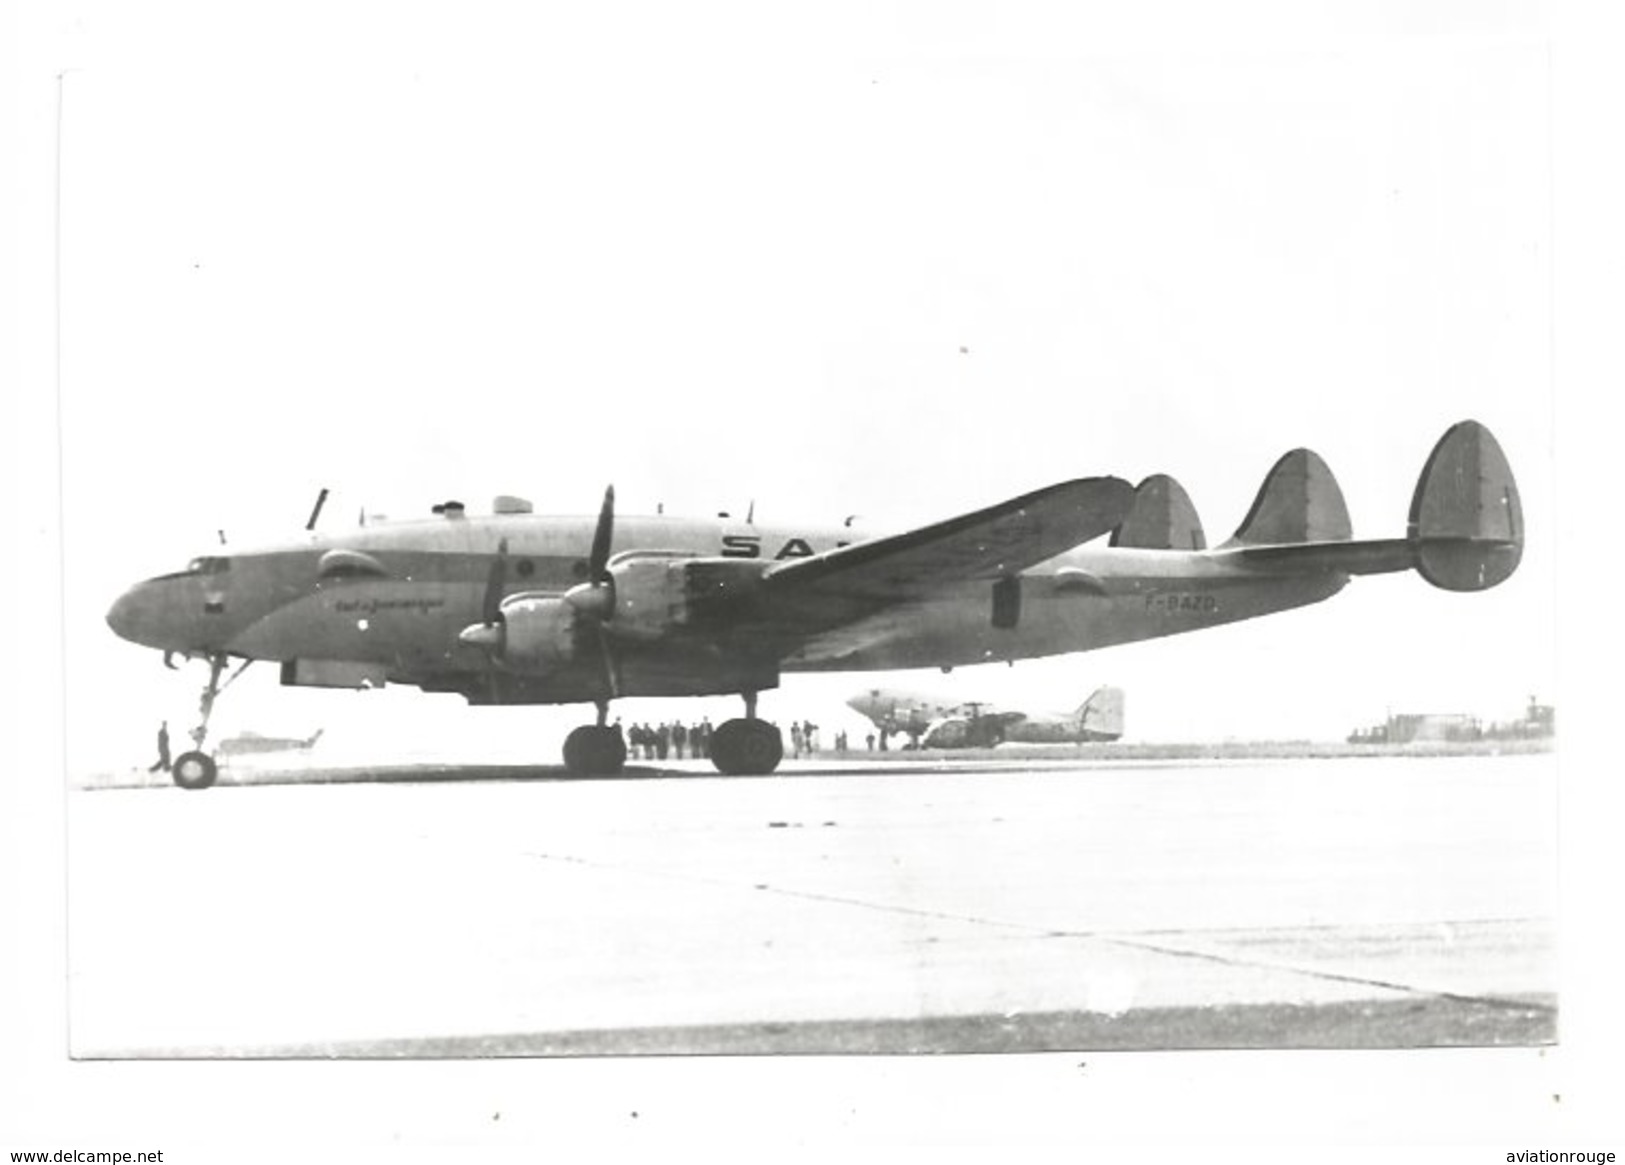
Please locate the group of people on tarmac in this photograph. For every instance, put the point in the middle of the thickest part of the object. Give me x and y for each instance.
(676, 740)
(803, 738)
(660, 741)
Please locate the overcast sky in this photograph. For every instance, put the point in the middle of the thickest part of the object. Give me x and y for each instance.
(872, 261)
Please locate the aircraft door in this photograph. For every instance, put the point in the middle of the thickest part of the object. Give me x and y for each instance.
(1007, 602)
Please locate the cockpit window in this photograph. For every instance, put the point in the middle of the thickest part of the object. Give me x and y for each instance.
(208, 565)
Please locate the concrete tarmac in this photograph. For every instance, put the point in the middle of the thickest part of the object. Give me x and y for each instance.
(968, 907)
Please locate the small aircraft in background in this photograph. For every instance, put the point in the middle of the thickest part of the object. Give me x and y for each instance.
(521, 608)
(250, 743)
(931, 721)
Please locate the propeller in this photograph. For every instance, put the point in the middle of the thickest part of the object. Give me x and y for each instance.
(489, 634)
(491, 608)
(599, 562)
(595, 598)
(593, 601)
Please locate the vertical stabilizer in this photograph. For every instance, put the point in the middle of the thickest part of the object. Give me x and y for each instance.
(1466, 522)
(1299, 502)
(1101, 717)
(1163, 518)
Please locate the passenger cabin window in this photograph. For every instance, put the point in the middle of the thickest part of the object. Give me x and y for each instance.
(208, 565)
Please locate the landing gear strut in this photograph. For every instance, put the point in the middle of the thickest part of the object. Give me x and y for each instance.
(595, 750)
(748, 747)
(196, 769)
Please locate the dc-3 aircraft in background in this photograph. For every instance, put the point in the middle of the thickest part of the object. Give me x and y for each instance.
(521, 608)
(933, 721)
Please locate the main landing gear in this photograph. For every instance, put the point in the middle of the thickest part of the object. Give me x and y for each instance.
(748, 747)
(739, 748)
(595, 750)
(196, 769)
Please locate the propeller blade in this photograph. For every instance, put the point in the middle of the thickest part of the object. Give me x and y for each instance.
(612, 672)
(489, 637)
(598, 563)
(491, 609)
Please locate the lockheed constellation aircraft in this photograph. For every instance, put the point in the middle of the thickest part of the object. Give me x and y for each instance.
(522, 608)
(931, 721)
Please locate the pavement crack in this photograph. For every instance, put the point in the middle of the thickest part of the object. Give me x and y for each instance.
(1316, 973)
(1136, 940)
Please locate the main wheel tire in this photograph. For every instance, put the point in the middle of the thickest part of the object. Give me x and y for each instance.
(194, 770)
(746, 748)
(593, 751)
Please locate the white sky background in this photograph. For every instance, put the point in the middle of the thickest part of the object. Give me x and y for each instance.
(714, 257)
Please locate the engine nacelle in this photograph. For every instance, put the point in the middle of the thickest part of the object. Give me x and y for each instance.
(539, 632)
(655, 596)
(647, 597)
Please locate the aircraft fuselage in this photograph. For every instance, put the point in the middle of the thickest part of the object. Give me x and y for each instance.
(391, 600)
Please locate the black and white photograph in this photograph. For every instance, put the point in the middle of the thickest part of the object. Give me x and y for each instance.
(901, 573)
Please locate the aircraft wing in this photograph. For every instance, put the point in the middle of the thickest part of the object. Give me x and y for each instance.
(808, 595)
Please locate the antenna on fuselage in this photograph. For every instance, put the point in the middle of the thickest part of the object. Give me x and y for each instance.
(750, 513)
(316, 510)
(222, 534)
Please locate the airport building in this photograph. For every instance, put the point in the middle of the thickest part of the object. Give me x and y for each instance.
(1538, 722)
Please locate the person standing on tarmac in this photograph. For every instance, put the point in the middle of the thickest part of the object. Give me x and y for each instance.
(163, 749)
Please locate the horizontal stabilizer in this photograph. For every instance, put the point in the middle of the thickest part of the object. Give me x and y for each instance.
(1367, 557)
(1163, 518)
(1466, 521)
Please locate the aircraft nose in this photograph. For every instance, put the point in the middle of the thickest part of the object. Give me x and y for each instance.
(134, 616)
(123, 616)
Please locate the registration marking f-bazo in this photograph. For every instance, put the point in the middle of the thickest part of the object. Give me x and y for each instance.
(1181, 602)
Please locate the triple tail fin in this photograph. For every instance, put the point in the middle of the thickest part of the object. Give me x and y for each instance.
(1466, 519)
(1162, 518)
(1465, 531)
(1299, 502)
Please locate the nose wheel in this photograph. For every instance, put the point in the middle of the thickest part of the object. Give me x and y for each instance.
(196, 769)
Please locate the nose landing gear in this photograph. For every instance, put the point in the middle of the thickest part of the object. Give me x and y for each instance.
(196, 769)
